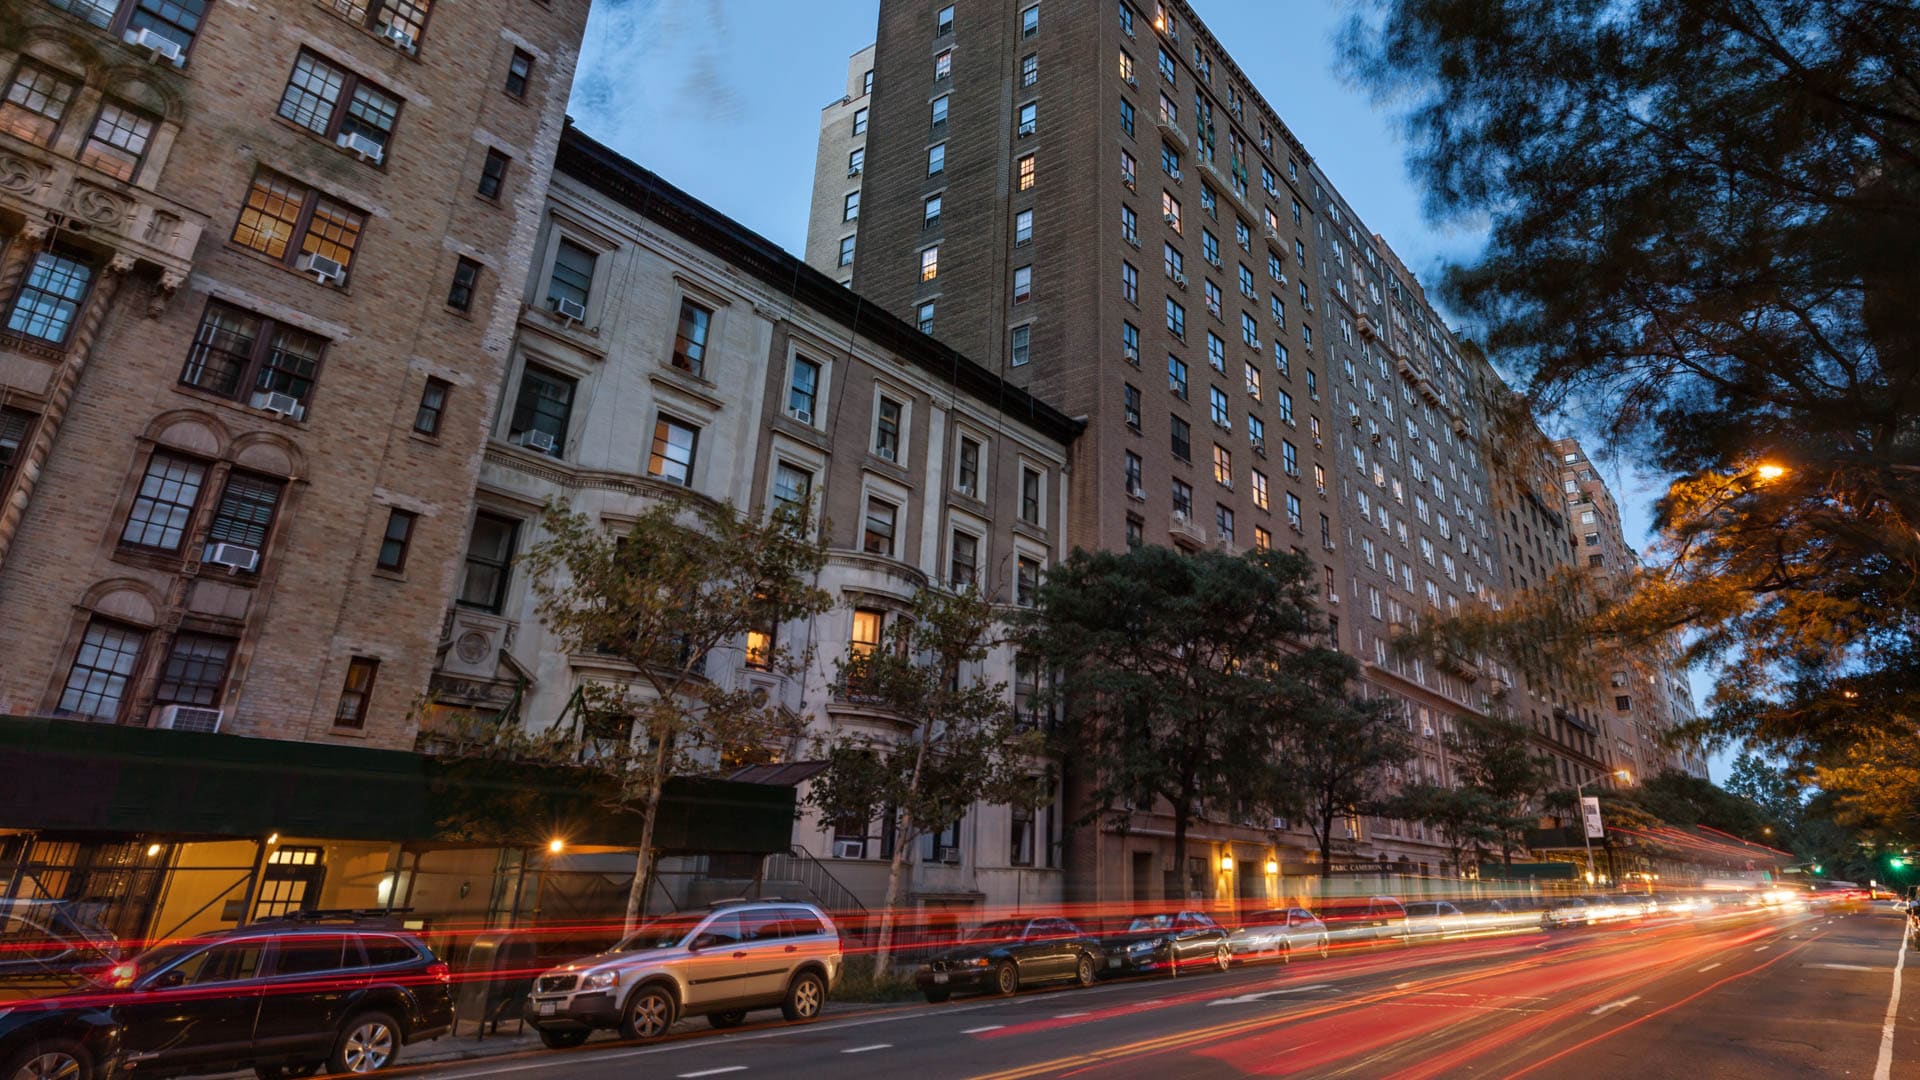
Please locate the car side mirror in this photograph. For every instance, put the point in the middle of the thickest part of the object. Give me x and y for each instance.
(168, 979)
(703, 941)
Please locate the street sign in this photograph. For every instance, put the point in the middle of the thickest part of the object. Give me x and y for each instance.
(1590, 811)
(1361, 868)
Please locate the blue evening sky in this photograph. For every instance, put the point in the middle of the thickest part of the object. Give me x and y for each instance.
(723, 99)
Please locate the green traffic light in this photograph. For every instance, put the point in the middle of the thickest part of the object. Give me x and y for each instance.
(1816, 868)
(1899, 861)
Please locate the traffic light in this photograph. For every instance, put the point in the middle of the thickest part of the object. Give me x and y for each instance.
(1899, 862)
(1816, 868)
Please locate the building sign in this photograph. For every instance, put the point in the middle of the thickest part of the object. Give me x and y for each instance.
(1590, 811)
(1361, 868)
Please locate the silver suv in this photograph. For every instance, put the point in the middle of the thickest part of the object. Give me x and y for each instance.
(717, 962)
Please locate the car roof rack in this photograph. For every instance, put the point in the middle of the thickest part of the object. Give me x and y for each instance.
(388, 918)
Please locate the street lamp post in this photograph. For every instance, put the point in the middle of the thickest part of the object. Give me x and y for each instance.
(1621, 775)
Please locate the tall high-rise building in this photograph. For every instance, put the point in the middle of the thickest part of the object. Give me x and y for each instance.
(837, 169)
(261, 268)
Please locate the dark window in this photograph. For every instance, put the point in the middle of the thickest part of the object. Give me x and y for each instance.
(195, 670)
(236, 352)
(1026, 580)
(967, 474)
(802, 396)
(385, 950)
(175, 20)
(963, 565)
(1030, 496)
(541, 411)
(466, 278)
(396, 540)
(1182, 440)
(277, 210)
(306, 954)
(400, 22)
(433, 407)
(337, 104)
(690, 343)
(519, 70)
(169, 491)
(1136, 532)
(493, 174)
(97, 682)
(674, 445)
(489, 561)
(357, 694)
(572, 279)
(36, 100)
(15, 427)
(49, 300)
(881, 516)
(244, 515)
(886, 430)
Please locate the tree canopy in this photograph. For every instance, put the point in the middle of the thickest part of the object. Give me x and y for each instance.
(1702, 219)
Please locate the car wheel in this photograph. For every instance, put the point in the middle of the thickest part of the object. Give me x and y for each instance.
(1006, 977)
(1084, 971)
(1324, 947)
(53, 1060)
(368, 1043)
(938, 996)
(806, 996)
(648, 1015)
(1222, 956)
(1283, 952)
(563, 1040)
(732, 1018)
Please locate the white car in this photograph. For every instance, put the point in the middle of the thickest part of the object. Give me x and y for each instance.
(1281, 933)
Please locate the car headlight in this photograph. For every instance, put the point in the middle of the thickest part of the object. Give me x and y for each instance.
(600, 980)
(980, 962)
(1142, 947)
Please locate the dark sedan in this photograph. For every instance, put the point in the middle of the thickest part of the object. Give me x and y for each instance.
(1166, 941)
(1000, 957)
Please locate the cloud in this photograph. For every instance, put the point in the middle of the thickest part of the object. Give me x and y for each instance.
(643, 58)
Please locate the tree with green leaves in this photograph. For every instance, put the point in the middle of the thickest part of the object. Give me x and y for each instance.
(1182, 676)
(684, 580)
(1495, 761)
(1768, 786)
(1338, 749)
(963, 743)
(1464, 816)
(1702, 218)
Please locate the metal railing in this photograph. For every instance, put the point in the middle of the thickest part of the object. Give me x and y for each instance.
(799, 865)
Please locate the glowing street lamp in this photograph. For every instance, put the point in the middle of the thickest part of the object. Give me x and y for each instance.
(1770, 471)
(556, 845)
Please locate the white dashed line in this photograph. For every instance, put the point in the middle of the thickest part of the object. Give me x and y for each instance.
(1763, 948)
(1071, 1015)
(1611, 1005)
(1708, 968)
(1884, 1070)
(713, 1072)
(978, 1030)
(864, 1049)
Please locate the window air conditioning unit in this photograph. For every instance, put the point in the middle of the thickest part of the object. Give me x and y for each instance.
(1278, 824)
(1128, 181)
(282, 404)
(849, 849)
(158, 45)
(1180, 280)
(1333, 599)
(853, 172)
(969, 490)
(1180, 517)
(1295, 526)
(1170, 219)
(1177, 176)
(1427, 731)
(1283, 279)
(1316, 442)
(1026, 130)
(398, 38)
(188, 718)
(1132, 241)
(1309, 307)
(324, 270)
(534, 439)
(366, 148)
(1133, 82)
(805, 416)
(1279, 323)
(233, 557)
(570, 310)
(949, 853)
(886, 453)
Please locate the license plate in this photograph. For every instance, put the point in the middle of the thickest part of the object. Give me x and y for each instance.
(1113, 961)
(546, 1008)
(939, 977)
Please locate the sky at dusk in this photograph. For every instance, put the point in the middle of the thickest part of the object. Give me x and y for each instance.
(723, 99)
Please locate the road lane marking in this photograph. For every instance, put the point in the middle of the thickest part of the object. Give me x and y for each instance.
(1708, 968)
(1071, 1015)
(1260, 994)
(1611, 1005)
(1846, 967)
(978, 1030)
(864, 1049)
(713, 1072)
(1884, 1070)
(1763, 948)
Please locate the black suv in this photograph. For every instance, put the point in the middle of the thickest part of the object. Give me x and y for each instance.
(339, 992)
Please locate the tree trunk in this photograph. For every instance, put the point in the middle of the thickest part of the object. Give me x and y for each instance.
(1177, 877)
(903, 838)
(643, 861)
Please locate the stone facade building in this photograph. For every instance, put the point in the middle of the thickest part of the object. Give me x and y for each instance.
(260, 274)
(707, 359)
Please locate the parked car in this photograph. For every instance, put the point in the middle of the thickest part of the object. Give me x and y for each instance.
(49, 947)
(1565, 913)
(1365, 920)
(1434, 919)
(1002, 956)
(1486, 916)
(719, 962)
(324, 992)
(1166, 941)
(1281, 933)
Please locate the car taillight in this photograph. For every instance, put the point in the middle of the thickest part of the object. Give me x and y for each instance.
(121, 976)
(439, 970)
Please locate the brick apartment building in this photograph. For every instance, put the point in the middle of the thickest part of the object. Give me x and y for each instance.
(834, 217)
(1129, 229)
(261, 269)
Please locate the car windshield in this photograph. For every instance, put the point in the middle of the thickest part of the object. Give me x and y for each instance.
(161, 956)
(1150, 922)
(1005, 930)
(658, 934)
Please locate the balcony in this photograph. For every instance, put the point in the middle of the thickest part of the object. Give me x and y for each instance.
(1367, 325)
(136, 225)
(1187, 532)
(1170, 130)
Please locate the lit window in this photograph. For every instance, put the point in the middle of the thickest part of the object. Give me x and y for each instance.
(1025, 172)
(930, 263)
(35, 102)
(674, 444)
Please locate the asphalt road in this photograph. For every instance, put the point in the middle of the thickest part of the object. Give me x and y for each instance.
(1752, 995)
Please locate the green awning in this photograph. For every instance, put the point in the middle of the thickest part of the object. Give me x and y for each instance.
(70, 776)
